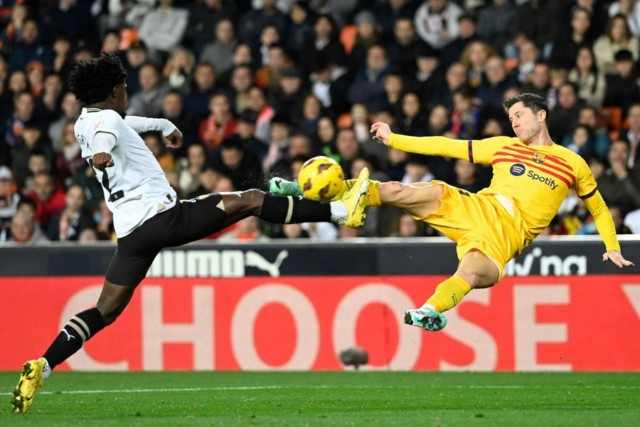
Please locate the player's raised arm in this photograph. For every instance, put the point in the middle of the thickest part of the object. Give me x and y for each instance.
(430, 145)
(168, 129)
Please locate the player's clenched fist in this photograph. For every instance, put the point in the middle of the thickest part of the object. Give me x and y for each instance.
(381, 132)
(102, 160)
(175, 139)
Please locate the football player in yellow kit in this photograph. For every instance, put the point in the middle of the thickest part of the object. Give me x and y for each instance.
(531, 177)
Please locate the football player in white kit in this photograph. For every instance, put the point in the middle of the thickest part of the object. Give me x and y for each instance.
(147, 213)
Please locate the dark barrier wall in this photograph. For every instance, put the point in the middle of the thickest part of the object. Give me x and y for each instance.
(378, 257)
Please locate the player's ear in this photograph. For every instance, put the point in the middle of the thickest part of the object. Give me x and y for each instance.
(542, 116)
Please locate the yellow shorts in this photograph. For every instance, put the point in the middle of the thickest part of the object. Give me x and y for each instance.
(480, 222)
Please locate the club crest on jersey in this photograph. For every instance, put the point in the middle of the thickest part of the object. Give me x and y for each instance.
(518, 169)
(97, 126)
(538, 158)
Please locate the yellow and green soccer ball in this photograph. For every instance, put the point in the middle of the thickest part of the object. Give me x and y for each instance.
(320, 178)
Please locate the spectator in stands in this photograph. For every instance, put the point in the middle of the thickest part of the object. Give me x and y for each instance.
(396, 163)
(69, 161)
(162, 28)
(208, 180)
(429, 76)
(179, 70)
(325, 143)
(347, 148)
(22, 113)
(48, 196)
(406, 226)
(268, 76)
(147, 102)
(590, 82)
(288, 96)
(565, 114)
(367, 35)
(325, 45)
(294, 231)
(617, 37)
(62, 57)
(497, 24)
(257, 103)
(12, 33)
(25, 231)
(174, 111)
(246, 132)
(197, 102)
(66, 224)
(203, 21)
(588, 117)
(368, 86)
(568, 43)
(9, 200)
(300, 28)
(135, 58)
(278, 142)
(220, 52)
(620, 185)
(153, 140)
(269, 36)
(417, 170)
(88, 236)
(411, 117)
(436, 22)
(527, 58)
(72, 17)
(48, 103)
(532, 21)
(33, 142)
(622, 86)
(299, 147)
(453, 51)
(474, 58)
(240, 82)
(71, 109)
(253, 21)
(455, 78)
(191, 167)
(582, 141)
(312, 111)
(389, 12)
(103, 217)
(495, 83)
(633, 136)
(247, 230)
(231, 160)
(35, 75)
(629, 9)
(30, 48)
(220, 124)
(465, 117)
(539, 81)
(330, 84)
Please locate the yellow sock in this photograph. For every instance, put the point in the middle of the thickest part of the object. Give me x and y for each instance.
(374, 194)
(449, 294)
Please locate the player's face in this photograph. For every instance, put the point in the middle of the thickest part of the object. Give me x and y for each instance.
(524, 122)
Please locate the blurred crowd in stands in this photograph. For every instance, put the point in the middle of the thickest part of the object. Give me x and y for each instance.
(259, 86)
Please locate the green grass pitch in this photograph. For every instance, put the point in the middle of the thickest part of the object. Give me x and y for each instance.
(331, 398)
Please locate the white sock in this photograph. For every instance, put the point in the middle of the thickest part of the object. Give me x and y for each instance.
(429, 306)
(339, 212)
(46, 371)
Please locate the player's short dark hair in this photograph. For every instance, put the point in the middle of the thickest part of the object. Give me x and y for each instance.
(93, 80)
(532, 101)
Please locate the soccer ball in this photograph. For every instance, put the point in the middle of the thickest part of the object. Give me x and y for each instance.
(320, 178)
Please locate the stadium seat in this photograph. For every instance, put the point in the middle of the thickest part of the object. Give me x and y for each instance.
(611, 118)
(127, 36)
(348, 37)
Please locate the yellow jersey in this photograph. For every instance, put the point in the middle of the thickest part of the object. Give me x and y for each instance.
(536, 178)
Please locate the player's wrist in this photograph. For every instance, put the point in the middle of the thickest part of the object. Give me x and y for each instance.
(167, 127)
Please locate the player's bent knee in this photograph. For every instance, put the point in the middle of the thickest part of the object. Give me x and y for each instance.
(391, 189)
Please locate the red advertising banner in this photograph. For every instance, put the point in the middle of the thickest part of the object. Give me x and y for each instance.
(588, 323)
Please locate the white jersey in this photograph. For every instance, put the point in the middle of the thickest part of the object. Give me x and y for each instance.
(135, 188)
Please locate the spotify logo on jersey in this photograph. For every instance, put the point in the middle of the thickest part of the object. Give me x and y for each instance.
(517, 170)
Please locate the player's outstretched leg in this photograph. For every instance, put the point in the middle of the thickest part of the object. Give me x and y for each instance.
(476, 270)
(78, 330)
